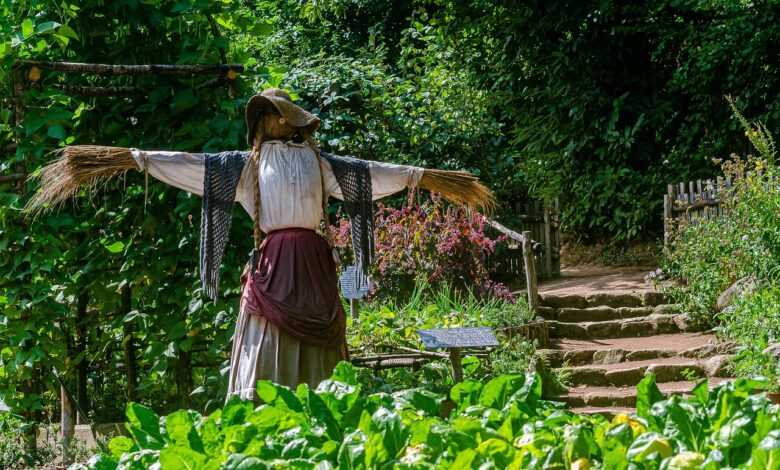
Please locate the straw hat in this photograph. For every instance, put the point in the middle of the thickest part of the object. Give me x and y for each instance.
(281, 101)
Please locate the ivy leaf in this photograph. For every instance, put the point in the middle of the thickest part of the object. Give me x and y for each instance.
(115, 247)
(68, 32)
(56, 131)
(28, 28)
(46, 26)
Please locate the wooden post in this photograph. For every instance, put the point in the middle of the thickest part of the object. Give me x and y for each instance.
(667, 218)
(530, 272)
(80, 349)
(547, 243)
(67, 425)
(457, 369)
(128, 346)
(353, 308)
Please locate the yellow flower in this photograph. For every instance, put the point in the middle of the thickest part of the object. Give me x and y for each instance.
(580, 464)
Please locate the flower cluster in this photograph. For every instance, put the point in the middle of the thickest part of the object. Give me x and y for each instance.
(430, 241)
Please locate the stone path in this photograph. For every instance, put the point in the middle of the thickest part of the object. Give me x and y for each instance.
(609, 328)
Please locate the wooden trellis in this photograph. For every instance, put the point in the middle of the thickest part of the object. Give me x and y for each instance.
(27, 75)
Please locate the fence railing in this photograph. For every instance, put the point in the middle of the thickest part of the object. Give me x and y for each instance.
(693, 201)
(542, 222)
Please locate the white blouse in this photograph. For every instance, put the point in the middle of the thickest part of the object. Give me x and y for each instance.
(289, 177)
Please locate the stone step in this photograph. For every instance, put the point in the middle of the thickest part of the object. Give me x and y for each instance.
(595, 396)
(608, 412)
(578, 352)
(615, 300)
(604, 313)
(649, 325)
(670, 369)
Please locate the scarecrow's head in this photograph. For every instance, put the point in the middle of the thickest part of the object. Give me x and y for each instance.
(273, 114)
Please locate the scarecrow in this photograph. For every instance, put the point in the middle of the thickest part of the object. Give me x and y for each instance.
(291, 327)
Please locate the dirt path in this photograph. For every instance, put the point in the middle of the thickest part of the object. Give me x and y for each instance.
(610, 327)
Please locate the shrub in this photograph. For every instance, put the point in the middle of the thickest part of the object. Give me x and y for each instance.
(438, 244)
(708, 256)
(385, 325)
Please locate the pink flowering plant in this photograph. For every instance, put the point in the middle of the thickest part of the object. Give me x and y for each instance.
(431, 242)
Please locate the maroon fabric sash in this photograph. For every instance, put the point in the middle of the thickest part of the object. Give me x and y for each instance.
(295, 287)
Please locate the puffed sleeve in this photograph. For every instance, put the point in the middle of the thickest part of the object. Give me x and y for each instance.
(179, 169)
(386, 178)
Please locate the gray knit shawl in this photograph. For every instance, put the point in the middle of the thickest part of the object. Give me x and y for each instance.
(221, 177)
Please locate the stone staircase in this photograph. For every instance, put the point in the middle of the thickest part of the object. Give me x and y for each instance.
(606, 342)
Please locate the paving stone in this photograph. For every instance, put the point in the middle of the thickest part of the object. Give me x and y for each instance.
(548, 313)
(608, 356)
(632, 312)
(588, 314)
(646, 354)
(672, 372)
(598, 396)
(653, 298)
(568, 330)
(630, 327)
(717, 366)
(631, 376)
(563, 301)
(666, 309)
(586, 376)
(614, 300)
(604, 329)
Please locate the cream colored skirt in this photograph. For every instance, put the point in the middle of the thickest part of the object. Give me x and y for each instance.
(263, 351)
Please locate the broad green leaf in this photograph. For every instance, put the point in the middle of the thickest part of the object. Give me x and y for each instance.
(498, 451)
(115, 247)
(180, 429)
(120, 445)
(649, 444)
(28, 28)
(235, 411)
(68, 32)
(181, 458)
(466, 393)
(56, 131)
(46, 26)
(767, 454)
(144, 426)
(647, 393)
(498, 390)
(244, 462)
(345, 372)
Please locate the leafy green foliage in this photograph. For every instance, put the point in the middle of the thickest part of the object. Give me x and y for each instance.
(709, 256)
(385, 325)
(503, 422)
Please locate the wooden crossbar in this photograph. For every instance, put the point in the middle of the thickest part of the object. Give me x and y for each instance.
(129, 69)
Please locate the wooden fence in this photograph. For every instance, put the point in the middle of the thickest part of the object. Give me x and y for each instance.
(542, 221)
(692, 201)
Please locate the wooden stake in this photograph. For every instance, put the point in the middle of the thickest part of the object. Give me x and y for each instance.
(128, 346)
(67, 425)
(353, 308)
(457, 368)
(530, 272)
(547, 243)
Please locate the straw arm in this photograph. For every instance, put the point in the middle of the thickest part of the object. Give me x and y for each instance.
(458, 187)
(77, 167)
